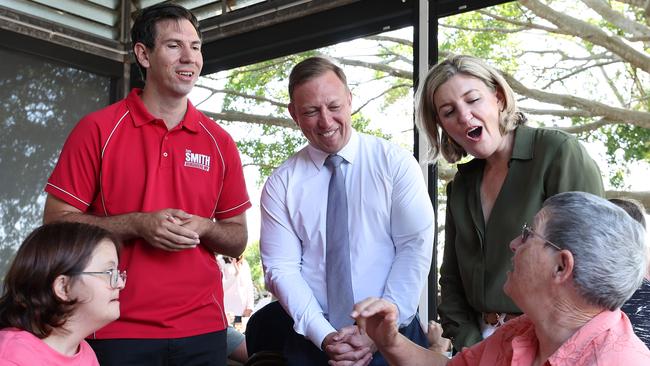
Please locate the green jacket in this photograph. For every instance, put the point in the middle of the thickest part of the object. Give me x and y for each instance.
(477, 255)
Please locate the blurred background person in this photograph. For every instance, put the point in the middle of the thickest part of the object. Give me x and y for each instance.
(62, 286)
(238, 289)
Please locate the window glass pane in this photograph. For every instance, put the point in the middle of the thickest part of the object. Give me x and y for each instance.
(41, 102)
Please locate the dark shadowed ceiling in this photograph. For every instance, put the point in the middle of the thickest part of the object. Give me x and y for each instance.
(94, 34)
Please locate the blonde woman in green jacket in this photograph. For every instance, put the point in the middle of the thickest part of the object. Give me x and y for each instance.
(466, 107)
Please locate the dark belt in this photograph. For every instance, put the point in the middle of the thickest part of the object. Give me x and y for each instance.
(496, 318)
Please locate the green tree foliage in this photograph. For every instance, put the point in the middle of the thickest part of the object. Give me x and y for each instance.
(252, 256)
(564, 50)
(581, 66)
(255, 98)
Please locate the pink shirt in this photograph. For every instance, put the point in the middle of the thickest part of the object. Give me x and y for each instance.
(19, 347)
(608, 339)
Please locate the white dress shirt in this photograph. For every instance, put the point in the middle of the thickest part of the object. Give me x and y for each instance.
(390, 220)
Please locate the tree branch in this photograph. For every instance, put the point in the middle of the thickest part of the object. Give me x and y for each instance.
(631, 27)
(483, 29)
(587, 127)
(595, 109)
(264, 66)
(564, 113)
(243, 95)
(396, 56)
(637, 3)
(376, 66)
(380, 95)
(639, 86)
(235, 116)
(613, 87)
(401, 41)
(526, 25)
(577, 71)
(591, 33)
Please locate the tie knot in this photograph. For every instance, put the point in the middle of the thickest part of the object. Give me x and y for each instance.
(333, 161)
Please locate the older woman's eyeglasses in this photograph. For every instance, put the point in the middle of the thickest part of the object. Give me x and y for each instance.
(527, 232)
(114, 275)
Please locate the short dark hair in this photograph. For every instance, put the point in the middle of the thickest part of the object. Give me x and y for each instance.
(144, 25)
(310, 68)
(28, 301)
(633, 208)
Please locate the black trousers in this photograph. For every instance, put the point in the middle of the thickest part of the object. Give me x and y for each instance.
(271, 329)
(201, 350)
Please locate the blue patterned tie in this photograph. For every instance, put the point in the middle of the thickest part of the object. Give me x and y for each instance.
(340, 298)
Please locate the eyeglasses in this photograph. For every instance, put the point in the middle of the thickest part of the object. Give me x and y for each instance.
(114, 274)
(527, 232)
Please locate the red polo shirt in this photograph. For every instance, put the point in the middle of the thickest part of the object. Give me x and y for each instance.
(121, 159)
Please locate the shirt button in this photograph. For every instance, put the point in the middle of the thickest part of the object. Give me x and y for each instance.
(165, 154)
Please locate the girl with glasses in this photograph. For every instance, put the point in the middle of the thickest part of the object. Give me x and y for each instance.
(62, 286)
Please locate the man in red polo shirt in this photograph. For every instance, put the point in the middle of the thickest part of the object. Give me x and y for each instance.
(169, 181)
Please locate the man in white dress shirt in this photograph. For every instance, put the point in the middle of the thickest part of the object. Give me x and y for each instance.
(390, 223)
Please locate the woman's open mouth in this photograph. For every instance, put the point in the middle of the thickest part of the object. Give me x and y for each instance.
(475, 133)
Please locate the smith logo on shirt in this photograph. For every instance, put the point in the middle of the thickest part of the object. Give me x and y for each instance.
(198, 161)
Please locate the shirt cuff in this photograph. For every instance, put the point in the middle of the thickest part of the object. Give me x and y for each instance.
(318, 329)
(403, 320)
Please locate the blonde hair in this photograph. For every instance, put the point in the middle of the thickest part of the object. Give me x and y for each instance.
(427, 116)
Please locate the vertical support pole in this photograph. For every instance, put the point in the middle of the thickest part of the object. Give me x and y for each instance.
(421, 37)
(432, 169)
(122, 84)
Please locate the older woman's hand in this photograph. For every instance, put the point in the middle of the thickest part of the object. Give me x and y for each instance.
(377, 318)
(437, 342)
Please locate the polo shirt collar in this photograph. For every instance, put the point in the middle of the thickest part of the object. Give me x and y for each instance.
(348, 152)
(141, 115)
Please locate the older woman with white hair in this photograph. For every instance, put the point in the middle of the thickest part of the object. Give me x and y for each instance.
(570, 276)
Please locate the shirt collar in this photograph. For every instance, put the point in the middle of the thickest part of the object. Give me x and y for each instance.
(141, 115)
(577, 344)
(348, 152)
(523, 149)
(524, 143)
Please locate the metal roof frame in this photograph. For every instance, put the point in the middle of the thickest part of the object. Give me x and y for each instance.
(94, 34)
